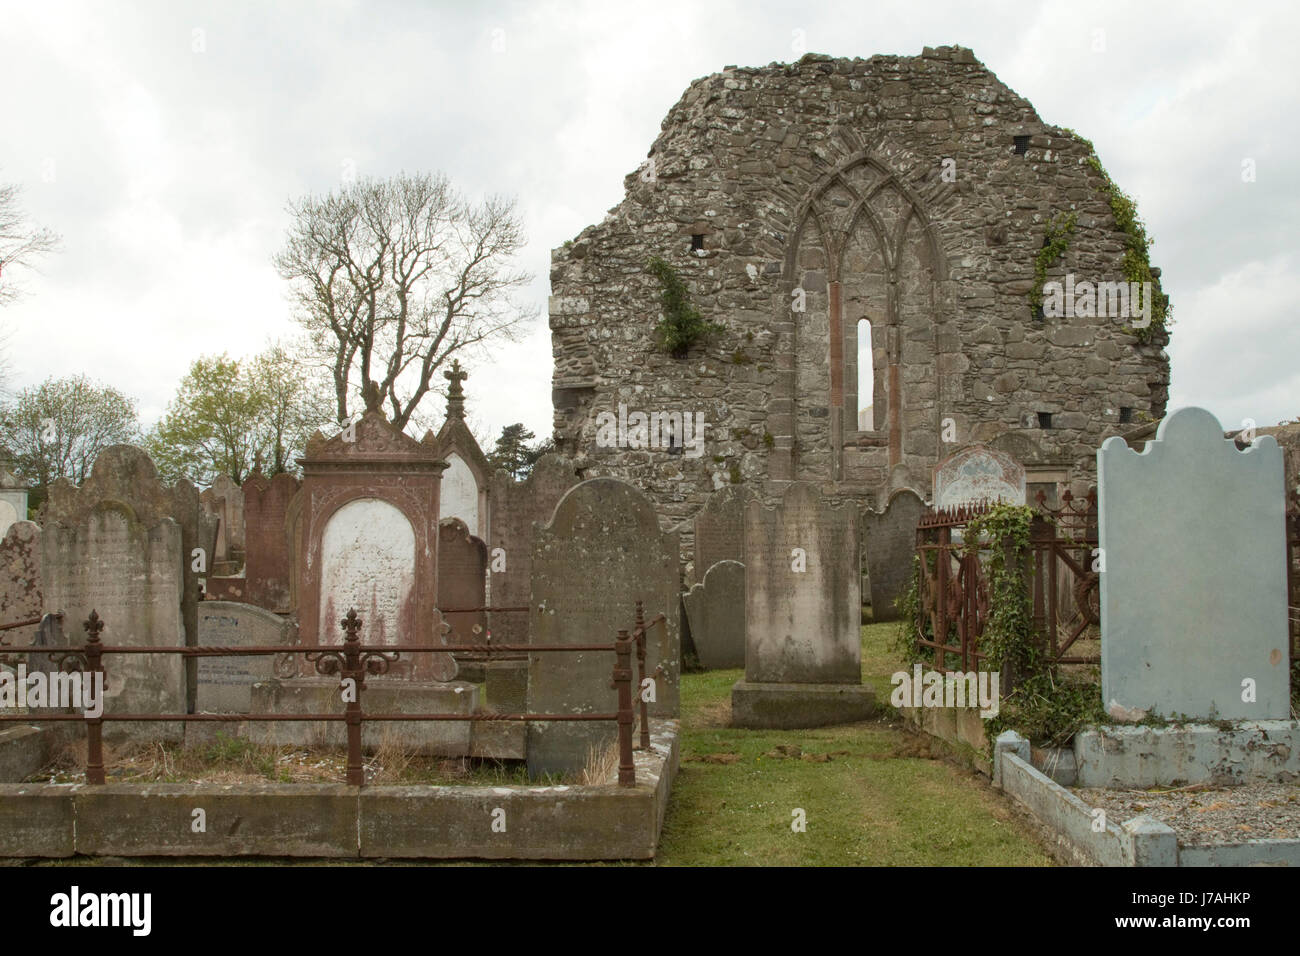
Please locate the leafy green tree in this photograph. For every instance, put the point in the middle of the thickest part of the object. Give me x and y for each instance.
(231, 416)
(55, 429)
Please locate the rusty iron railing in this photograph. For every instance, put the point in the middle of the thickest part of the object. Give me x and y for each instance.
(953, 590)
(352, 660)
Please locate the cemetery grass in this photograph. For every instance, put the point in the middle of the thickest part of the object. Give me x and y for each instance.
(873, 793)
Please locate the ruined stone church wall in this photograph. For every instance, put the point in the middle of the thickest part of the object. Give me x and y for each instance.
(827, 177)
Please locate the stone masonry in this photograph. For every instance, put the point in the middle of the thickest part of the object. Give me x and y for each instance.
(827, 177)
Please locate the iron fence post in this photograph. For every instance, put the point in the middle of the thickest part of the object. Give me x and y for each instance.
(94, 725)
(352, 669)
(623, 681)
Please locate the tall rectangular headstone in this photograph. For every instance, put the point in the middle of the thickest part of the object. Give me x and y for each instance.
(127, 474)
(462, 565)
(888, 544)
(803, 590)
(268, 567)
(803, 611)
(601, 553)
(111, 563)
(517, 509)
(1194, 588)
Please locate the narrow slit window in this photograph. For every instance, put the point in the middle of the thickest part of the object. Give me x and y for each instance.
(1044, 419)
(1125, 415)
(697, 242)
(1022, 145)
(866, 379)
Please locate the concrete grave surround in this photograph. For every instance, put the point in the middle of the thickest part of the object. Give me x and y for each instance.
(601, 552)
(110, 562)
(125, 473)
(720, 529)
(518, 509)
(226, 683)
(715, 610)
(367, 536)
(978, 474)
(1194, 591)
(20, 581)
(888, 545)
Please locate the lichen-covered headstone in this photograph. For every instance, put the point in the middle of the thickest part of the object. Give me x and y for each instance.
(888, 544)
(720, 529)
(518, 508)
(601, 552)
(803, 590)
(1193, 586)
(131, 574)
(20, 581)
(715, 609)
(226, 683)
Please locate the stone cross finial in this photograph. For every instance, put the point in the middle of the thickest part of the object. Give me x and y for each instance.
(455, 394)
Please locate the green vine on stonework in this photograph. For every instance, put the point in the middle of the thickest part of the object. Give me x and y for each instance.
(1137, 259)
(910, 620)
(1059, 229)
(682, 325)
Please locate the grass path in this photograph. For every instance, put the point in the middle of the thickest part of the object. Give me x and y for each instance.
(872, 794)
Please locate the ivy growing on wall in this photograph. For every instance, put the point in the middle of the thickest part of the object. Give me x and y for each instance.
(682, 325)
(1056, 240)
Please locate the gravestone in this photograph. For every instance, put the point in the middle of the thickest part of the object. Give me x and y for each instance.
(131, 574)
(226, 683)
(601, 552)
(978, 474)
(268, 566)
(225, 501)
(720, 528)
(715, 610)
(462, 567)
(888, 545)
(126, 474)
(20, 582)
(1194, 588)
(367, 539)
(518, 507)
(13, 498)
(803, 608)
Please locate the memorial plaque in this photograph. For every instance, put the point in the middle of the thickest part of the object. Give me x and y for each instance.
(978, 474)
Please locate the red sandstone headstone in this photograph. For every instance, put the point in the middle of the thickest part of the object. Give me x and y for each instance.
(268, 567)
(367, 539)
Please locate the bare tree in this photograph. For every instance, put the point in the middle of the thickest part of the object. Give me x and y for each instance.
(20, 242)
(392, 277)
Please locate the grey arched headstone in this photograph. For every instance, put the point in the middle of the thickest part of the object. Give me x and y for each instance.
(716, 612)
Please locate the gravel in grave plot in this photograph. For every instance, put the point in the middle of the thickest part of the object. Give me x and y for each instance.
(1206, 815)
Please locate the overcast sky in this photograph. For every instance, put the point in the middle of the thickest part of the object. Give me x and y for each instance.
(163, 140)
